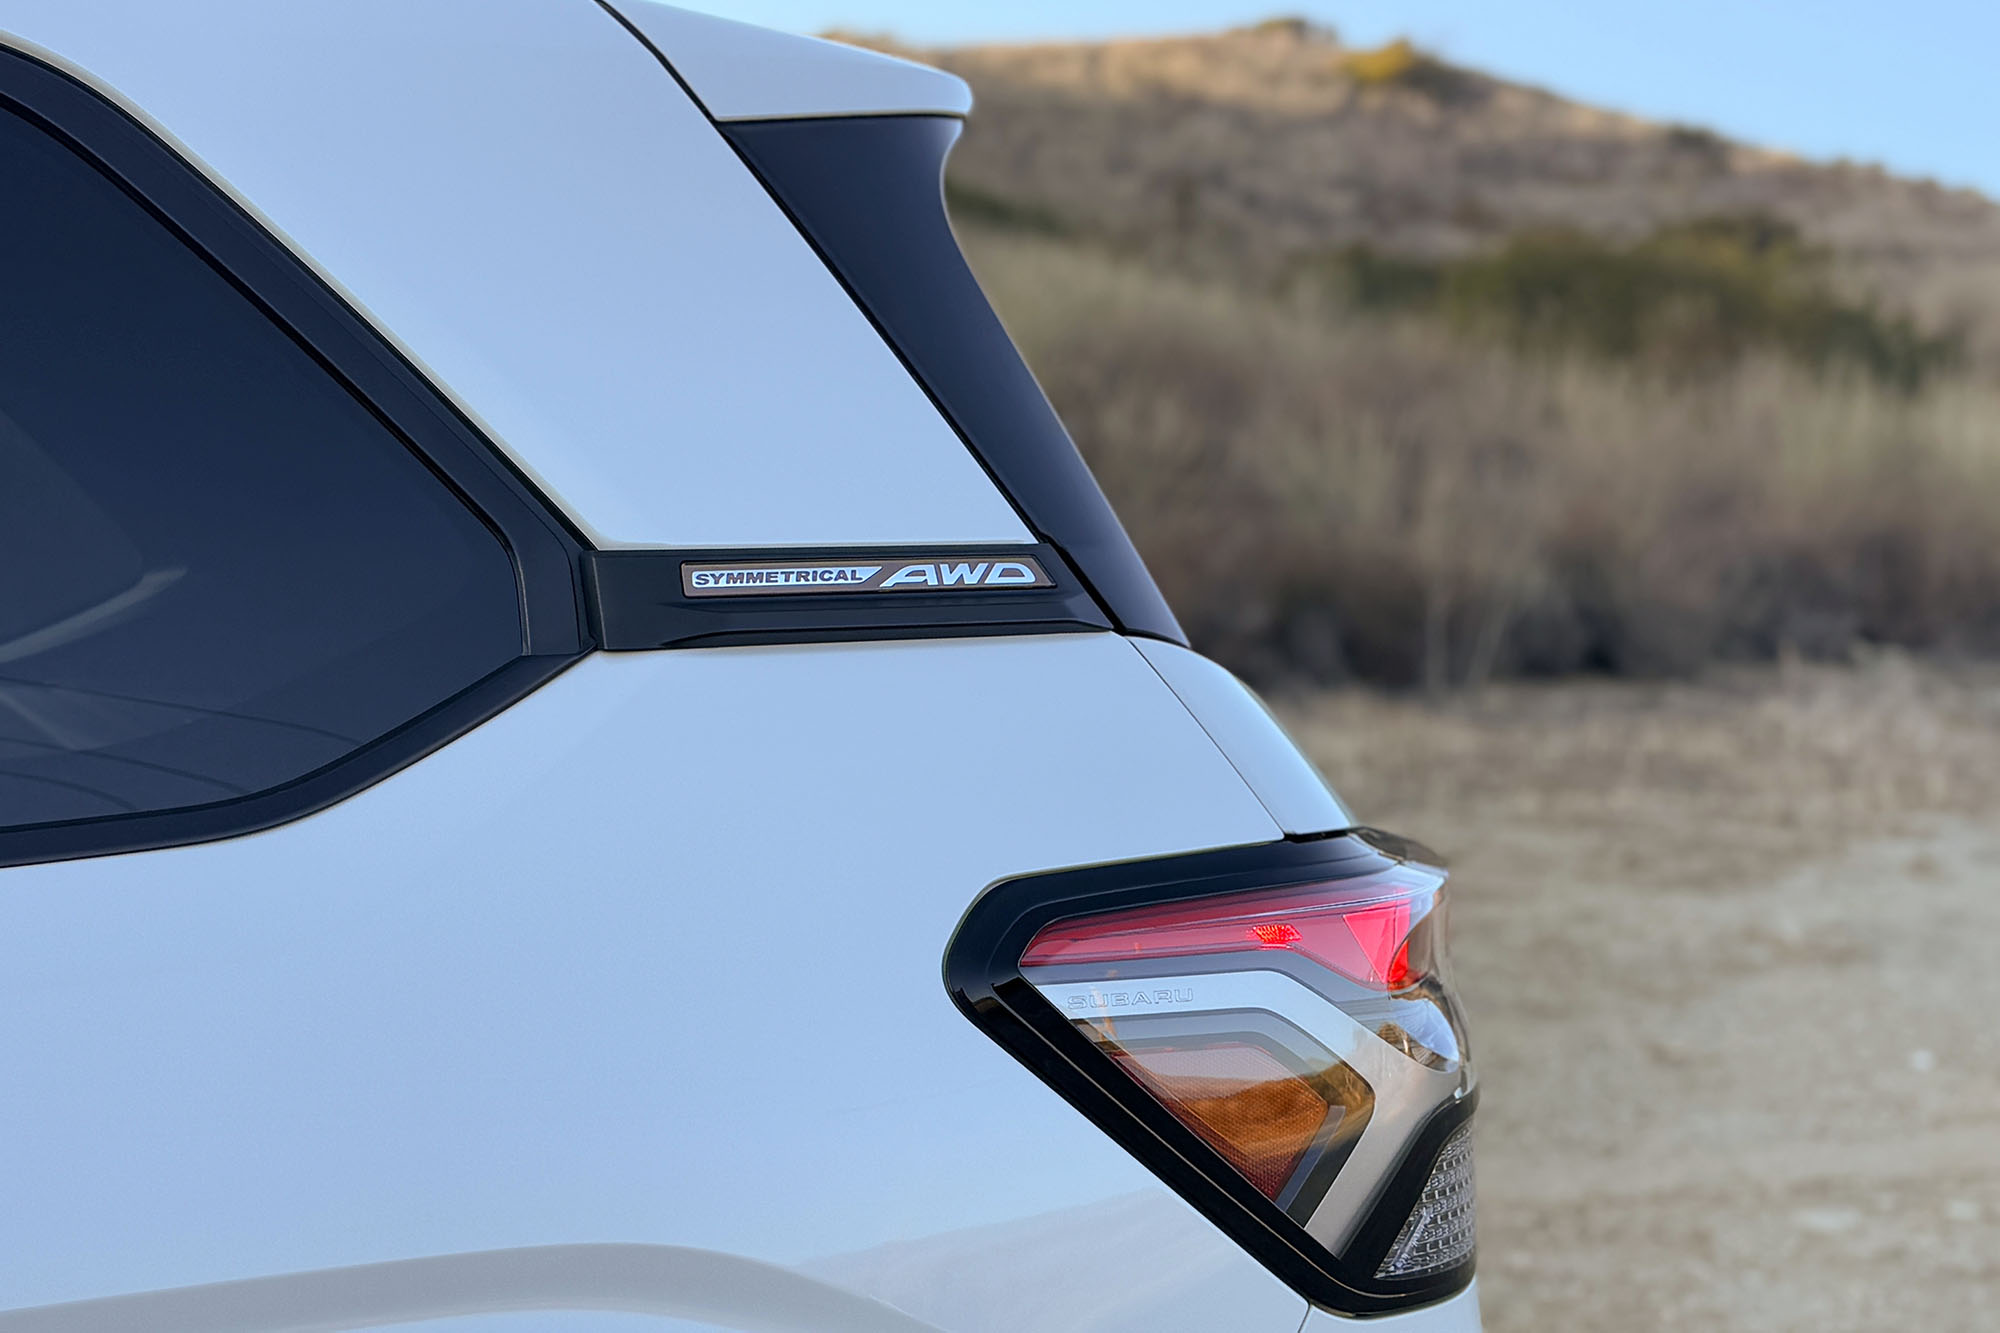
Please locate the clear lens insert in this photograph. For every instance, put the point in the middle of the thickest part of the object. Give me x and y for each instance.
(1439, 1233)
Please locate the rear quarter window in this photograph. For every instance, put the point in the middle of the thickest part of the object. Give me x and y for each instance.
(219, 570)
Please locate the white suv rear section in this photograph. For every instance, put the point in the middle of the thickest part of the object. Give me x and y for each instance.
(652, 958)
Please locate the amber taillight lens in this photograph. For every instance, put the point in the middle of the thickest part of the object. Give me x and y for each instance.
(1243, 1101)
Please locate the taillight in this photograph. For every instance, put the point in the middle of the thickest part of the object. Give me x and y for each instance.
(1361, 931)
(1272, 1030)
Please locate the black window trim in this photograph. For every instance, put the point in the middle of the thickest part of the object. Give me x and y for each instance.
(565, 601)
(867, 194)
(547, 552)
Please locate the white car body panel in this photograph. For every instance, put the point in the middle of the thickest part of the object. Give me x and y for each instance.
(743, 72)
(557, 1287)
(1297, 796)
(505, 997)
(518, 195)
(646, 969)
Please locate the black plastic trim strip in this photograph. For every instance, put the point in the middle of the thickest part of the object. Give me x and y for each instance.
(868, 193)
(983, 976)
(637, 600)
(547, 552)
(316, 791)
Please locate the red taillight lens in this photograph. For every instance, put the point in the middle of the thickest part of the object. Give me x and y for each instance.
(1361, 931)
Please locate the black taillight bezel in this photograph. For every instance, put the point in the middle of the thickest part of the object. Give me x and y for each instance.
(982, 973)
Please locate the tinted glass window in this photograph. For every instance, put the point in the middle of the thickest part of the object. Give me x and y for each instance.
(218, 570)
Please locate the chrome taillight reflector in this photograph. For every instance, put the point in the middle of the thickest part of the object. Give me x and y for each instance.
(1439, 1232)
(1272, 1030)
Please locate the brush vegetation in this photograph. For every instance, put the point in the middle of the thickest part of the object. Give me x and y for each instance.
(1401, 65)
(1693, 297)
(1519, 466)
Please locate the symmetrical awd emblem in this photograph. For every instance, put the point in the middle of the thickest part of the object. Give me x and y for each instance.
(797, 577)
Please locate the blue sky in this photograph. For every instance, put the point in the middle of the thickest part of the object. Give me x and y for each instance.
(1914, 85)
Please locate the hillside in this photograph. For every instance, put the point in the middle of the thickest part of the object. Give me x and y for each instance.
(1401, 373)
(1257, 148)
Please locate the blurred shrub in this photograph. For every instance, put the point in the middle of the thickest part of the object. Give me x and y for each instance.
(1693, 298)
(970, 204)
(1364, 493)
(1400, 64)
(1389, 64)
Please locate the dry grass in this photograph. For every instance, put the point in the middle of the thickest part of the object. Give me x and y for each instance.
(1724, 944)
(1332, 496)
(1755, 762)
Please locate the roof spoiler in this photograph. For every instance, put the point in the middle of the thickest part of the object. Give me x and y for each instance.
(738, 71)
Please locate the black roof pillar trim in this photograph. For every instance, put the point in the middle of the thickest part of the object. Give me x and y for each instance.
(868, 193)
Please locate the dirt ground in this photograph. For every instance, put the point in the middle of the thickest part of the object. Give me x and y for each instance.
(1728, 948)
